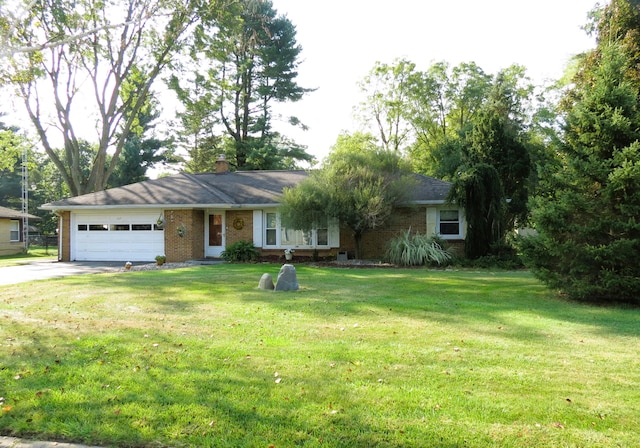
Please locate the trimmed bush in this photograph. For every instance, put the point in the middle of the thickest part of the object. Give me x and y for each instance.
(416, 250)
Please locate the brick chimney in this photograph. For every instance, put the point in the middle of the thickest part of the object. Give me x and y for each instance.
(222, 165)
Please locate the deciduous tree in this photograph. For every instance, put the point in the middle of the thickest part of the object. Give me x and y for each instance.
(479, 191)
(359, 184)
(498, 138)
(99, 45)
(142, 149)
(386, 89)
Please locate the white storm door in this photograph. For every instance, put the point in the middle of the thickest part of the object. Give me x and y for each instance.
(214, 234)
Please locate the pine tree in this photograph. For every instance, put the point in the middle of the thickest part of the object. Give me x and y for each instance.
(589, 228)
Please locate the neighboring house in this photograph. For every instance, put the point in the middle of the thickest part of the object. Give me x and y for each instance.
(11, 233)
(195, 216)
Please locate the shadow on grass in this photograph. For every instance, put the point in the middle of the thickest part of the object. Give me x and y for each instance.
(119, 371)
(480, 298)
(476, 297)
(103, 393)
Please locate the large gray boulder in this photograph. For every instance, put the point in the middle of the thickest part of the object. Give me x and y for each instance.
(287, 278)
(266, 282)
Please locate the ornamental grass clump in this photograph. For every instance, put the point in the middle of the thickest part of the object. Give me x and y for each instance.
(416, 250)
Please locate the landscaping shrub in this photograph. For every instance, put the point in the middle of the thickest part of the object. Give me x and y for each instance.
(240, 252)
(502, 255)
(416, 250)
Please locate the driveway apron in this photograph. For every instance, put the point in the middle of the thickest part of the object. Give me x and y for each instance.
(41, 270)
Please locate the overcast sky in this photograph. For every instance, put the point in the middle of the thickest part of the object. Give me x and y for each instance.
(342, 39)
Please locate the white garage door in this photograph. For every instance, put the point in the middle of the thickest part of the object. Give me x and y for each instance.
(121, 236)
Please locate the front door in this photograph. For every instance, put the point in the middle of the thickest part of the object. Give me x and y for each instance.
(215, 237)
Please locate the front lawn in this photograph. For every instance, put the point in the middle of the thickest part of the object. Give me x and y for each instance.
(35, 253)
(355, 358)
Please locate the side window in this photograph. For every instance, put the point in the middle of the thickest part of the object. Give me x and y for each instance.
(449, 222)
(14, 230)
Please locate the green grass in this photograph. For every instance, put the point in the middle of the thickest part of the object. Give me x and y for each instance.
(35, 253)
(355, 358)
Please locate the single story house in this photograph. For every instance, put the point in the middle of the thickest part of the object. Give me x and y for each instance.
(12, 238)
(196, 216)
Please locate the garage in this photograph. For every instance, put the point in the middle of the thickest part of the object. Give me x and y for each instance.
(123, 236)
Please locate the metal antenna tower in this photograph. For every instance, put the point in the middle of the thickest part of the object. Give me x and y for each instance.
(25, 199)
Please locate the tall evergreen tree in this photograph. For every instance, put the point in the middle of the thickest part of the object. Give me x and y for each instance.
(245, 64)
(589, 232)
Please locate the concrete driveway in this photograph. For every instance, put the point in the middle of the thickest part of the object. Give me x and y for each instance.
(12, 442)
(40, 270)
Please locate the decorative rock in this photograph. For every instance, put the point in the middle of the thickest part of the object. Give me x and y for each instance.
(266, 282)
(287, 278)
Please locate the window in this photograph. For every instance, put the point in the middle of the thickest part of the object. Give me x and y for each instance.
(279, 236)
(322, 233)
(271, 226)
(116, 227)
(14, 230)
(290, 237)
(449, 223)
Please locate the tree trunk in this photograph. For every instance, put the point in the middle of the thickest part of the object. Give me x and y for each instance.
(357, 237)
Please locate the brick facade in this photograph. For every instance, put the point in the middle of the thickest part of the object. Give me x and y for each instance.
(239, 226)
(64, 235)
(187, 245)
(374, 243)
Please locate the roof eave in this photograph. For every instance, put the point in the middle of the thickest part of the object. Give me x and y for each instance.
(426, 202)
(55, 208)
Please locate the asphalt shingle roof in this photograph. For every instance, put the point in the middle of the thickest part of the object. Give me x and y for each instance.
(14, 214)
(240, 188)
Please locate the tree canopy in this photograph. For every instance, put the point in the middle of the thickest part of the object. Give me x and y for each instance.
(109, 46)
(240, 67)
(455, 123)
(359, 184)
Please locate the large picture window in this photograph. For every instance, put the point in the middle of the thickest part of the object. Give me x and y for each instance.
(276, 235)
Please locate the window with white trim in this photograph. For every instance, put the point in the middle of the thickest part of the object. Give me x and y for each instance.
(449, 223)
(276, 235)
(14, 230)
